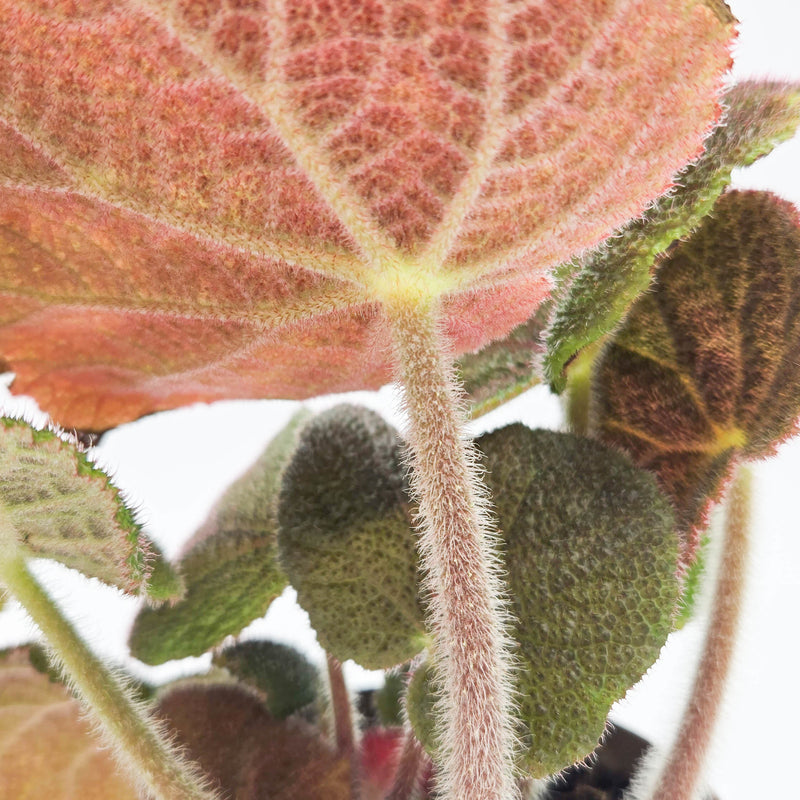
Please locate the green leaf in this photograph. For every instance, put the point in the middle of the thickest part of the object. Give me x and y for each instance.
(286, 678)
(594, 292)
(389, 698)
(229, 567)
(590, 558)
(246, 752)
(345, 538)
(706, 368)
(505, 368)
(62, 506)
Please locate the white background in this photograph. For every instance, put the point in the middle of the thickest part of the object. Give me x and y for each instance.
(174, 465)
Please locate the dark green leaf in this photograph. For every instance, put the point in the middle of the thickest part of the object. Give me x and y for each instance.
(345, 538)
(286, 678)
(590, 554)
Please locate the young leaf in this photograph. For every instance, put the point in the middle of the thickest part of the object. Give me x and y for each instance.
(247, 753)
(346, 541)
(47, 750)
(595, 292)
(218, 198)
(286, 678)
(590, 556)
(706, 368)
(64, 507)
(230, 566)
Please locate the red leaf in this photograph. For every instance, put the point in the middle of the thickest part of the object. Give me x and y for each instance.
(213, 201)
(705, 370)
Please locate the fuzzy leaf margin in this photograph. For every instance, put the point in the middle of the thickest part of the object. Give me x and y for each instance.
(62, 506)
(593, 293)
(229, 567)
(218, 200)
(346, 539)
(706, 368)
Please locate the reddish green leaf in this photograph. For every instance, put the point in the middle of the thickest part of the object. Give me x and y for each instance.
(229, 566)
(47, 751)
(201, 201)
(505, 368)
(594, 293)
(62, 506)
(249, 755)
(706, 368)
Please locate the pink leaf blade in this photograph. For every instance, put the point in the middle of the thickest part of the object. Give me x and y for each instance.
(324, 156)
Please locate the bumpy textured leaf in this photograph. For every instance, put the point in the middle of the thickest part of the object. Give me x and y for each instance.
(595, 292)
(47, 751)
(285, 677)
(706, 368)
(247, 753)
(64, 507)
(590, 553)
(345, 538)
(505, 368)
(202, 200)
(230, 566)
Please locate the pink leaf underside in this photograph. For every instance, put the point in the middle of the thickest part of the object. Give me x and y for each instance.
(202, 199)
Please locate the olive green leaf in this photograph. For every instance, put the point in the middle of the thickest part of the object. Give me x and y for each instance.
(590, 553)
(47, 750)
(594, 292)
(285, 677)
(229, 567)
(246, 752)
(505, 368)
(62, 506)
(706, 368)
(389, 698)
(345, 538)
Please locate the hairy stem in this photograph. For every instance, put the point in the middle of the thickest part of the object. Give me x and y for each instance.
(679, 775)
(461, 571)
(141, 746)
(408, 776)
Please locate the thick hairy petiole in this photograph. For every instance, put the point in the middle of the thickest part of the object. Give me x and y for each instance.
(678, 775)
(462, 578)
(153, 763)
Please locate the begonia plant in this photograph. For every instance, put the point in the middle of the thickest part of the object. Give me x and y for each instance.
(217, 199)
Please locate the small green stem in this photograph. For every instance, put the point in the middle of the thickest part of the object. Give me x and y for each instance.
(152, 762)
(679, 774)
(579, 388)
(461, 568)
